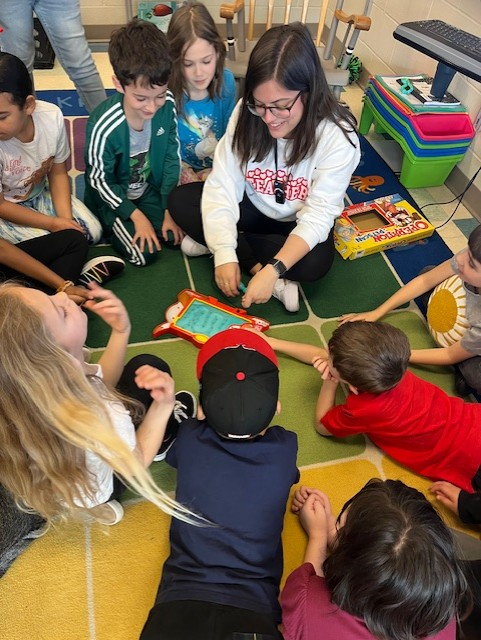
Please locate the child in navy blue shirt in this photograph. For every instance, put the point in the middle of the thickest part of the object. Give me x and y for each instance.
(236, 471)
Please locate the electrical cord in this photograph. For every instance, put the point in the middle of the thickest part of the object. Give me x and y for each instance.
(458, 197)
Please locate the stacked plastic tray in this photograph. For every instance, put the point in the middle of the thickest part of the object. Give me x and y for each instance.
(433, 142)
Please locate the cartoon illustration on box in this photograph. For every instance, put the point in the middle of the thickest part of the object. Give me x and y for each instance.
(378, 224)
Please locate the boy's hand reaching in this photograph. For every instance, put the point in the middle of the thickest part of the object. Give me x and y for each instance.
(447, 494)
(368, 316)
(108, 307)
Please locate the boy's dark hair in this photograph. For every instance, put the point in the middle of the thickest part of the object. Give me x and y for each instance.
(139, 52)
(189, 22)
(371, 356)
(287, 55)
(474, 243)
(15, 79)
(394, 563)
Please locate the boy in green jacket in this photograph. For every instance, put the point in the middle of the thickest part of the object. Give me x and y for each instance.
(132, 154)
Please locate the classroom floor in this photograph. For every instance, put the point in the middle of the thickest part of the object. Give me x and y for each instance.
(454, 232)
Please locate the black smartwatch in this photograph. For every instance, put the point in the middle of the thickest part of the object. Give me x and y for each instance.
(279, 266)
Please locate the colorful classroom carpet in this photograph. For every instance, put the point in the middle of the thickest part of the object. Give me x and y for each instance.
(82, 582)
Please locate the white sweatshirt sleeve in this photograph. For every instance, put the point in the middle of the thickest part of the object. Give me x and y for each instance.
(223, 190)
(334, 161)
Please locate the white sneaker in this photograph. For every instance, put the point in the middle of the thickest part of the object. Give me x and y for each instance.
(287, 292)
(108, 513)
(192, 248)
(101, 269)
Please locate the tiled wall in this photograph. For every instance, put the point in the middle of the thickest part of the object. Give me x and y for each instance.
(378, 50)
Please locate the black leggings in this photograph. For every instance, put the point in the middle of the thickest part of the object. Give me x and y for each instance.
(259, 238)
(127, 387)
(64, 252)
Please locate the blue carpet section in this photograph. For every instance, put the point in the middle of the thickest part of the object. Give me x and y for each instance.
(68, 101)
(407, 261)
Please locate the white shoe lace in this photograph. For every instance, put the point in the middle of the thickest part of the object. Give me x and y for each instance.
(180, 411)
(97, 273)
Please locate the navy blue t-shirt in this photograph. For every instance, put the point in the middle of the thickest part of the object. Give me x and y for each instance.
(243, 487)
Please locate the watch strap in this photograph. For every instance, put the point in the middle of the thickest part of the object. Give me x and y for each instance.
(279, 266)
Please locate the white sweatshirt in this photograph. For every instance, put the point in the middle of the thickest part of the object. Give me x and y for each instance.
(314, 189)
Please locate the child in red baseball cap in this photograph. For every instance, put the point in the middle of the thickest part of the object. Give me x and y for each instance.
(237, 471)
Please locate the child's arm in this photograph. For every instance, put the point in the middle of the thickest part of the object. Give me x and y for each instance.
(313, 518)
(112, 311)
(26, 217)
(440, 355)
(298, 350)
(59, 185)
(17, 259)
(416, 287)
(325, 402)
(170, 225)
(151, 432)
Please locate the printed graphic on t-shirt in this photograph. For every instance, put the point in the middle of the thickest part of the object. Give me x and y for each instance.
(139, 173)
(262, 181)
(202, 141)
(28, 183)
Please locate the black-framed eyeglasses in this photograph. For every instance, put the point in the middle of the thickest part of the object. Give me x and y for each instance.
(278, 112)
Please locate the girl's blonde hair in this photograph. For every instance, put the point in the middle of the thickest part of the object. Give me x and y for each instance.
(189, 22)
(50, 414)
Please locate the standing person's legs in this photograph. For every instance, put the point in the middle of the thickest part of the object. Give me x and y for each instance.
(62, 22)
(16, 19)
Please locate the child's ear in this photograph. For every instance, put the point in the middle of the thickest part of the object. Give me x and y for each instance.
(117, 84)
(200, 413)
(29, 106)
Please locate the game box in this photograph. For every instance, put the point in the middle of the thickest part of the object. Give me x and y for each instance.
(376, 225)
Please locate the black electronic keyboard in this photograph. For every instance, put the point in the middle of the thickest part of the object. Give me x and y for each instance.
(453, 47)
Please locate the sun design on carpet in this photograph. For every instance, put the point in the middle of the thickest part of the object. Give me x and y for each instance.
(365, 184)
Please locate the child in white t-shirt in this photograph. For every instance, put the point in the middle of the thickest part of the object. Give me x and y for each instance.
(35, 194)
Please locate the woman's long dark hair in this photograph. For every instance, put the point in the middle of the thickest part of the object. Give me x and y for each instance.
(287, 55)
(394, 564)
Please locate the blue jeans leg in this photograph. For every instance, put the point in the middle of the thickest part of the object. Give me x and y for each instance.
(62, 22)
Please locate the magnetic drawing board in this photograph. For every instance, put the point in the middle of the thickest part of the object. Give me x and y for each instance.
(203, 318)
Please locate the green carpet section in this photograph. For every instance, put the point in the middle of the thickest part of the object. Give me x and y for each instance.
(351, 285)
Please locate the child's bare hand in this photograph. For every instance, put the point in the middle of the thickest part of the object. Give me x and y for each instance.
(313, 517)
(368, 316)
(447, 494)
(144, 232)
(159, 383)
(108, 307)
(79, 294)
(59, 224)
(322, 366)
(170, 225)
(300, 496)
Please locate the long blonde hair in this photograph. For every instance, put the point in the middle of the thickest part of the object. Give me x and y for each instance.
(50, 414)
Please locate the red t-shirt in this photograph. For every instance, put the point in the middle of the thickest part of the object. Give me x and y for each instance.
(419, 425)
(309, 614)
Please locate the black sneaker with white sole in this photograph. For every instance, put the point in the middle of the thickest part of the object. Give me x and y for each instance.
(185, 407)
(101, 269)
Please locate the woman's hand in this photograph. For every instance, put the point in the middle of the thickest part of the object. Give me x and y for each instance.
(227, 278)
(108, 307)
(260, 287)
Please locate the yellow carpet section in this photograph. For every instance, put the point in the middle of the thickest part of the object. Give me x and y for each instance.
(87, 582)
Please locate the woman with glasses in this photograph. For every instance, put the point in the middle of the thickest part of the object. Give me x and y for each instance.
(279, 177)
